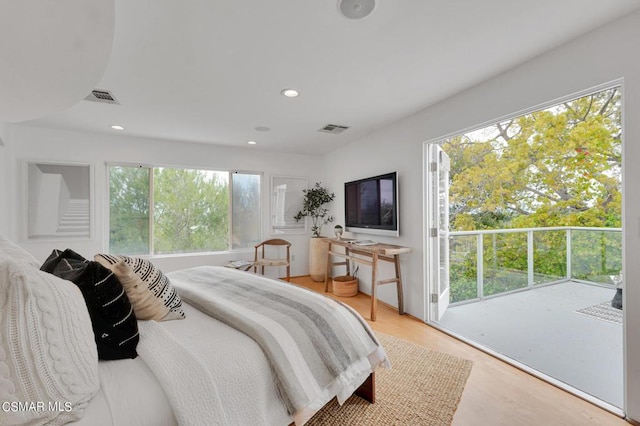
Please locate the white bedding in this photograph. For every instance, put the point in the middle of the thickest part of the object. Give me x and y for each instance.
(131, 391)
(202, 371)
(317, 347)
(248, 390)
(131, 395)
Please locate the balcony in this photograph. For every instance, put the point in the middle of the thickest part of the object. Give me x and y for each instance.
(541, 296)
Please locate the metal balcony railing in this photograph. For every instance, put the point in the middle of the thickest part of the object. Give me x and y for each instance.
(497, 262)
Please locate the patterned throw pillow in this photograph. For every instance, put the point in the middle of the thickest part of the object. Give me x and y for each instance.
(114, 323)
(145, 304)
(151, 278)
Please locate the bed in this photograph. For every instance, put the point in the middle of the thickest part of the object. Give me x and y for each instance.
(235, 358)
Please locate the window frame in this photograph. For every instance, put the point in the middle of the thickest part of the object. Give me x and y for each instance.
(151, 167)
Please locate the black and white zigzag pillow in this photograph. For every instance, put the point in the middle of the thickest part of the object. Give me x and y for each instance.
(157, 282)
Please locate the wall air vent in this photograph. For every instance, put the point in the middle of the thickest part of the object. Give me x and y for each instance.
(103, 96)
(333, 128)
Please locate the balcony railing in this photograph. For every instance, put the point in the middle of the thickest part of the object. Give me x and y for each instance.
(495, 262)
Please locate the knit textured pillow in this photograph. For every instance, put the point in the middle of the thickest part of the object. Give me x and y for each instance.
(112, 317)
(10, 249)
(48, 357)
(152, 279)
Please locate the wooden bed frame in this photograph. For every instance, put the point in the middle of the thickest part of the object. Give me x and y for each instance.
(367, 390)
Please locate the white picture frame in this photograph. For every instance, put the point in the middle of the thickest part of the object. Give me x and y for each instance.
(286, 201)
(58, 201)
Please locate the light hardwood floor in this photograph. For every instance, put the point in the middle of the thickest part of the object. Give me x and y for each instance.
(496, 393)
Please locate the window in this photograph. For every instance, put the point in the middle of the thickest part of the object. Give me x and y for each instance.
(162, 210)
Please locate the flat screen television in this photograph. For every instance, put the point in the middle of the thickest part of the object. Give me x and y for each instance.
(371, 205)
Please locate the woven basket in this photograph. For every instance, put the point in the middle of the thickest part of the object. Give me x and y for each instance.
(345, 286)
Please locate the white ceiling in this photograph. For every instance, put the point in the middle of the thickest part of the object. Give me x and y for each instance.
(51, 54)
(212, 71)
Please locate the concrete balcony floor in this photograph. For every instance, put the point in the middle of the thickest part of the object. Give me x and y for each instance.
(541, 329)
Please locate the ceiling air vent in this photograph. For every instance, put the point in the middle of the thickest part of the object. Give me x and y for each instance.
(333, 128)
(102, 96)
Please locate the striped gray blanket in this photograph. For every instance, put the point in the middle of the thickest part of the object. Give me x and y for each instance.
(318, 348)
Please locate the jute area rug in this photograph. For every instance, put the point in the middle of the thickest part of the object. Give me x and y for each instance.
(422, 387)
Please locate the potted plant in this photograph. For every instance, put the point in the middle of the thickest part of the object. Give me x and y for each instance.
(616, 302)
(314, 202)
(314, 206)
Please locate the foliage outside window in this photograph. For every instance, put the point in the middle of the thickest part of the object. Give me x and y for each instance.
(557, 167)
(161, 210)
(560, 166)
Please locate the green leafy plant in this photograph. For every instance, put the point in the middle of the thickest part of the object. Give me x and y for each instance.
(313, 206)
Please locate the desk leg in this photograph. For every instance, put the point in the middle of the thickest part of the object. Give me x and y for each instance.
(396, 261)
(374, 285)
(346, 252)
(328, 271)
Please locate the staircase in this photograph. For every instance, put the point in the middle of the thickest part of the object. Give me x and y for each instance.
(75, 221)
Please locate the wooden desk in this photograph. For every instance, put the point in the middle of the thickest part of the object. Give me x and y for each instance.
(368, 255)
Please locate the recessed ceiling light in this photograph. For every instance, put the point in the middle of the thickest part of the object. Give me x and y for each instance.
(356, 9)
(290, 93)
(252, 142)
(115, 127)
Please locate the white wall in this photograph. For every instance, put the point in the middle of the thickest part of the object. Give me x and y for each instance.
(602, 56)
(6, 170)
(32, 143)
(3, 177)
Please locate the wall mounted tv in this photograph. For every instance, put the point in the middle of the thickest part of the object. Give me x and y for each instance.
(371, 205)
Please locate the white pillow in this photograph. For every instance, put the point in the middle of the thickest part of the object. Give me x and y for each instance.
(48, 356)
(10, 249)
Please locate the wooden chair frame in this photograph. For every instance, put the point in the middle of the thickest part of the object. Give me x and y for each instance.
(272, 242)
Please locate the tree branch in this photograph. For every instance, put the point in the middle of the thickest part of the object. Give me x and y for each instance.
(542, 194)
(568, 106)
(518, 210)
(503, 130)
(586, 114)
(606, 104)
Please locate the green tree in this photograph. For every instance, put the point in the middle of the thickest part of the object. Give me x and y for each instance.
(191, 211)
(556, 167)
(129, 210)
